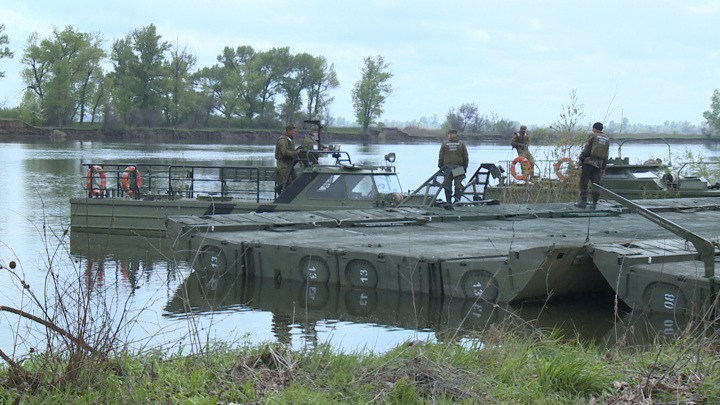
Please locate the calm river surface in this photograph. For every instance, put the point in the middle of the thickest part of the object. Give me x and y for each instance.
(157, 291)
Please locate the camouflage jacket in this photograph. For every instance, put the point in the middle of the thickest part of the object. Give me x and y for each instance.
(453, 152)
(520, 141)
(596, 150)
(285, 151)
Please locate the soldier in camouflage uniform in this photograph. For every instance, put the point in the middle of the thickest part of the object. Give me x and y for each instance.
(453, 155)
(285, 154)
(593, 160)
(521, 142)
(311, 142)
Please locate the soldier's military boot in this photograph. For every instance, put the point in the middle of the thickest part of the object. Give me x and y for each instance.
(458, 196)
(594, 203)
(581, 203)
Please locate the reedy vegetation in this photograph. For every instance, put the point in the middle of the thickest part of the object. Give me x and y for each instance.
(510, 364)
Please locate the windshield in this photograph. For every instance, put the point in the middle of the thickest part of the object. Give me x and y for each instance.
(353, 186)
(387, 184)
(328, 186)
(360, 187)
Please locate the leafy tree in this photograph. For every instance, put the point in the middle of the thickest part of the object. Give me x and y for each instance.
(496, 124)
(466, 118)
(37, 72)
(454, 120)
(224, 88)
(148, 68)
(120, 79)
(60, 72)
(99, 96)
(322, 79)
(181, 98)
(267, 70)
(370, 91)
(292, 85)
(326, 116)
(712, 116)
(238, 75)
(140, 81)
(315, 78)
(4, 51)
(245, 83)
(469, 114)
(259, 78)
(688, 127)
(89, 84)
(29, 110)
(504, 126)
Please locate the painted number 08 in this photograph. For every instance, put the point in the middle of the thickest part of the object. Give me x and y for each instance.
(669, 301)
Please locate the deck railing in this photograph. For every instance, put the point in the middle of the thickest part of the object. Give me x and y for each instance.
(138, 181)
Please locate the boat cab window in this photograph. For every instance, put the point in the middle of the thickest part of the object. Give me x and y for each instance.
(360, 187)
(328, 186)
(615, 173)
(388, 184)
(644, 174)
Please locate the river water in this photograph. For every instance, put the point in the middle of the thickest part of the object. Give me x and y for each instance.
(158, 293)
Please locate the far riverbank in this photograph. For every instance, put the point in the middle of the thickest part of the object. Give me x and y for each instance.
(16, 130)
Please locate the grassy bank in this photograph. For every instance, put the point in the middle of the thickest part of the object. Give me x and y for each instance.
(500, 367)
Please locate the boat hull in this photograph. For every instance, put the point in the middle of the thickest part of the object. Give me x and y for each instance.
(148, 217)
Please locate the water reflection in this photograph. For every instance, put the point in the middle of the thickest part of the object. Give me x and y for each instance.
(305, 314)
(136, 265)
(301, 306)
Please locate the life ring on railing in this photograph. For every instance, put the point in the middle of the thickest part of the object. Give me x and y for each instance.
(525, 168)
(558, 167)
(89, 179)
(130, 171)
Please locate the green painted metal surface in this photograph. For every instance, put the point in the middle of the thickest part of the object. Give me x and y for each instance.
(504, 253)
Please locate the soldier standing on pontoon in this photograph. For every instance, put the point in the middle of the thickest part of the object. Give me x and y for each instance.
(453, 156)
(521, 142)
(593, 160)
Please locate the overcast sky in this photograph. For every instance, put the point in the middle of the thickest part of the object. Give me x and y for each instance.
(648, 60)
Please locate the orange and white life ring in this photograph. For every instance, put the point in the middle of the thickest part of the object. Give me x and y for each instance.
(89, 180)
(562, 175)
(525, 168)
(130, 171)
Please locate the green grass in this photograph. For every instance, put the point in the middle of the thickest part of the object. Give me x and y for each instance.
(501, 366)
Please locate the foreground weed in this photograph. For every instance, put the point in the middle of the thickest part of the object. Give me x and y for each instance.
(501, 366)
(571, 370)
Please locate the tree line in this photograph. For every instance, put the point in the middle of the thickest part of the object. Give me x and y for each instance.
(152, 82)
